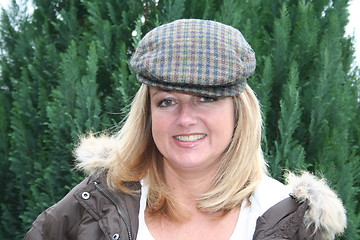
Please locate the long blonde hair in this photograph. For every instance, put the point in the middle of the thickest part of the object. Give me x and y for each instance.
(136, 157)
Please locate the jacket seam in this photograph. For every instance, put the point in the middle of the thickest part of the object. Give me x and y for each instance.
(118, 209)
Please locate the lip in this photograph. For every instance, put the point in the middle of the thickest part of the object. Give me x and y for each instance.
(189, 140)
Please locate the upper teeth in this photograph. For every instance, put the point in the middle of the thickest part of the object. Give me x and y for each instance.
(190, 138)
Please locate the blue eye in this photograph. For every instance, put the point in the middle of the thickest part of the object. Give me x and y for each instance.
(165, 103)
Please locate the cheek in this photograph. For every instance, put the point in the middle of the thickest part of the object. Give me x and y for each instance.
(154, 126)
(159, 128)
(226, 128)
(227, 123)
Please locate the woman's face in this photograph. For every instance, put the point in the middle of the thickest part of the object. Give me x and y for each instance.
(190, 131)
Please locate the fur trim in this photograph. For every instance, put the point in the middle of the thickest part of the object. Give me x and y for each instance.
(326, 212)
(94, 154)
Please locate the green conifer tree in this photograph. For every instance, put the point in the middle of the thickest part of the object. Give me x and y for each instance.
(64, 71)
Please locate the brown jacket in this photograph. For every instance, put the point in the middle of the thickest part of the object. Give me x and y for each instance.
(89, 211)
(92, 211)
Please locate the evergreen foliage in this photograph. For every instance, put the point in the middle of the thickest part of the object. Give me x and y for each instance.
(65, 71)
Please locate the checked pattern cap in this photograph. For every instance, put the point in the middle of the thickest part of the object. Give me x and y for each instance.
(195, 56)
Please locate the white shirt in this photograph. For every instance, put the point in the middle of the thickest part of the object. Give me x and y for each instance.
(267, 194)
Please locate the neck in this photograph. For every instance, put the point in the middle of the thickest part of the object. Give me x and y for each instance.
(188, 184)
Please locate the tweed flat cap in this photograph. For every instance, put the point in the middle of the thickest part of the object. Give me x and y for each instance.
(195, 56)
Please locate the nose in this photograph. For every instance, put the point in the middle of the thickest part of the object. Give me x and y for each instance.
(187, 115)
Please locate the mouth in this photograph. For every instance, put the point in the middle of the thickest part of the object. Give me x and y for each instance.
(190, 138)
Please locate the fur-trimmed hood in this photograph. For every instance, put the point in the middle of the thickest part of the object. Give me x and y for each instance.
(94, 155)
(326, 212)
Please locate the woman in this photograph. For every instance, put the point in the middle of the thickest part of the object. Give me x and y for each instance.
(187, 164)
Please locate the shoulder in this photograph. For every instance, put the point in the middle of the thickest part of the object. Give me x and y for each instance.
(90, 210)
(267, 193)
(61, 217)
(284, 220)
(313, 211)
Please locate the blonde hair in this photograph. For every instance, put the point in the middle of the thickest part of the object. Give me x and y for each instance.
(136, 157)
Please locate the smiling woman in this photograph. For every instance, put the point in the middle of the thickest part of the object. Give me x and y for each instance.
(191, 132)
(188, 164)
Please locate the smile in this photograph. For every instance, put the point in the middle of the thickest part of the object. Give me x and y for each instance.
(190, 138)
